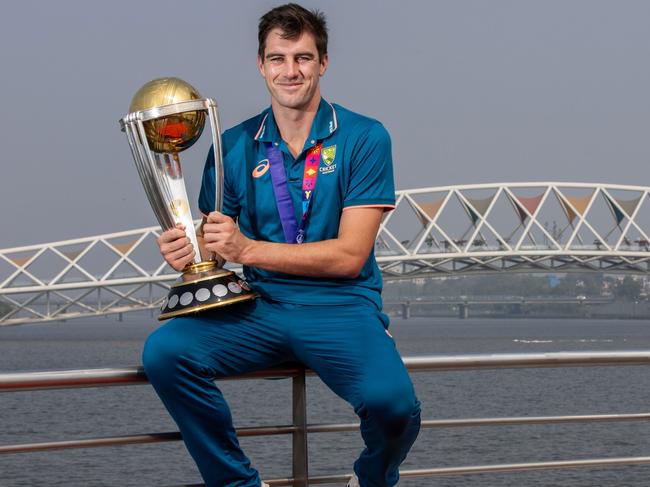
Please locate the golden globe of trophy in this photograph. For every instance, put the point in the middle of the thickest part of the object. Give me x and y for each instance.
(167, 116)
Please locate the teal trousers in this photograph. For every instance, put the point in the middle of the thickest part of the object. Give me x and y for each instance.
(348, 346)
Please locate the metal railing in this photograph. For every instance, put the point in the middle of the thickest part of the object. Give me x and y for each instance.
(299, 429)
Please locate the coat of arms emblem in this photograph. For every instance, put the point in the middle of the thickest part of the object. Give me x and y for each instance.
(328, 154)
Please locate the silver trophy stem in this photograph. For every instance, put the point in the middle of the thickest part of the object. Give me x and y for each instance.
(164, 192)
(162, 181)
(218, 158)
(155, 198)
(170, 177)
(153, 176)
(153, 192)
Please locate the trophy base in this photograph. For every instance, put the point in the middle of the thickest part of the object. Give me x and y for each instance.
(204, 286)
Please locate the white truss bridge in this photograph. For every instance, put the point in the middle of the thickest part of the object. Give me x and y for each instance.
(438, 231)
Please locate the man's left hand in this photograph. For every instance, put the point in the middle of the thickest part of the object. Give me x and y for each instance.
(222, 236)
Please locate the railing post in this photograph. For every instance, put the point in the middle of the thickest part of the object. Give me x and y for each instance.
(463, 310)
(300, 457)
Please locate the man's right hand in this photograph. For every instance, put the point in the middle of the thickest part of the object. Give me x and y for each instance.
(175, 247)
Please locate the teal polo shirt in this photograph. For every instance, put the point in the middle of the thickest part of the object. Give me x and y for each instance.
(356, 170)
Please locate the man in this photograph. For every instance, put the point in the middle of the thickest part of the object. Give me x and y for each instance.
(306, 184)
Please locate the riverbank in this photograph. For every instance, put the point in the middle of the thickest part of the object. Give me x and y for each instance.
(579, 310)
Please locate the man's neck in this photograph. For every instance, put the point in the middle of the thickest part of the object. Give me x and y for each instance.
(294, 124)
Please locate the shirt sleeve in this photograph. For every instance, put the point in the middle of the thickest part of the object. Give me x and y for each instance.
(371, 174)
(207, 194)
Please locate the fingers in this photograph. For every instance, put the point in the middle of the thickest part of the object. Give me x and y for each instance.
(179, 259)
(172, 234)
(216, 217)
(222, 236)
(213, 232)
(179, 265)
(175, 247)
(172, 240)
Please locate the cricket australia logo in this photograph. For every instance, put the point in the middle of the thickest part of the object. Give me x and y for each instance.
(327, 156)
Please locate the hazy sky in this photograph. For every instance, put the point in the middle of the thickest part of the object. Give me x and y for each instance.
(471, 91)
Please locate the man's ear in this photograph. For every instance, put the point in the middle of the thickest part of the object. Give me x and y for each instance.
(260, 65)
(324, 62)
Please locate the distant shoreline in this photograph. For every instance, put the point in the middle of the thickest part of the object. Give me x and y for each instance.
(618, 310)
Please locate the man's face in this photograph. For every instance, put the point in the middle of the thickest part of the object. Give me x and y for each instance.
(292, 70)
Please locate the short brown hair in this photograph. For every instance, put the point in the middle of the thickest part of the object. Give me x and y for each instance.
(293, 20)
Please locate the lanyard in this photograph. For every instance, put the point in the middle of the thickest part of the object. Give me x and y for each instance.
(293, 232)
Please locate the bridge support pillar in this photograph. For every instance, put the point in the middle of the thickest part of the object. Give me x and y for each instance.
(463, 311)
(406, 310)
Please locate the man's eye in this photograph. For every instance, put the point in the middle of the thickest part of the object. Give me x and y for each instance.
(303, 59)
(276, 60)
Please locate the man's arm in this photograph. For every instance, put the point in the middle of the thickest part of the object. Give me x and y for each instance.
(342, 257)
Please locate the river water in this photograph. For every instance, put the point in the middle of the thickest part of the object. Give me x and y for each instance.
(104, 342)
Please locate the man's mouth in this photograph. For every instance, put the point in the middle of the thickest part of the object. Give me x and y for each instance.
(290, 85)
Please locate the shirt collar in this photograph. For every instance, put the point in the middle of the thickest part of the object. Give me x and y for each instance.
(324, 124)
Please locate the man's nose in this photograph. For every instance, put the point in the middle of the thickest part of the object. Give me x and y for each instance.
(292, 69)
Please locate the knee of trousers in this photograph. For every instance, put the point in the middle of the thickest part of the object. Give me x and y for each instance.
(161, 357)
(392, 409)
